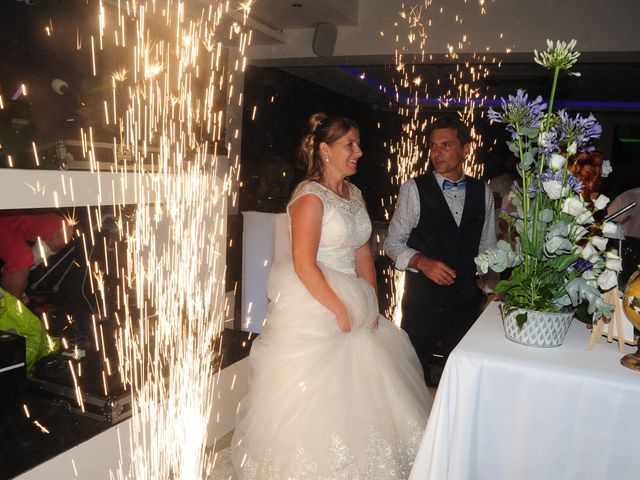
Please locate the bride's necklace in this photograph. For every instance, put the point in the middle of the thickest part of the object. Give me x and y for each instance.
(335, 191)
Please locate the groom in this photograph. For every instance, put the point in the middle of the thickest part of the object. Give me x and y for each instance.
(442, 220)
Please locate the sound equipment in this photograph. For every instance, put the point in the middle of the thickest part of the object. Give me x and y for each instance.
(110, 408)
(324, 39)
(13, 367)
(74, 155)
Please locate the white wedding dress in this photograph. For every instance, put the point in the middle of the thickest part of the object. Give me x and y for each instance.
(324, 404)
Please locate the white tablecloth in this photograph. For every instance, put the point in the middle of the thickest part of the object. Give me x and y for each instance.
(505, 411)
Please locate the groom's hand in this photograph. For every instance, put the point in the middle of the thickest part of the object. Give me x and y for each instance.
(435, 270)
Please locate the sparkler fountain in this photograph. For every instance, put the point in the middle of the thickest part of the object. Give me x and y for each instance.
(160, 138)
(176, 86)
(407, 152)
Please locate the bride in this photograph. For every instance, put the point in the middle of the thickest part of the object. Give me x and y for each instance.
(336, 391)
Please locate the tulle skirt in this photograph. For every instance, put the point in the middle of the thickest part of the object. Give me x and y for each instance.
(324, 404)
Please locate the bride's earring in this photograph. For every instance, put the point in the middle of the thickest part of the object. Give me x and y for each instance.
(326, 159)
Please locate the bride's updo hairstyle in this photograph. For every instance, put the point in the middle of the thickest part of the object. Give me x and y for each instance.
(321, 128)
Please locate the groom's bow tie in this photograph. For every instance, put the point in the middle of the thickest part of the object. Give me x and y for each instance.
(448, 184)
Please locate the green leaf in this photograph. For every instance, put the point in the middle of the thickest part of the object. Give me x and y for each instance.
(530, 132)
(521, 318)
(567, 261)
(502, 286)
(546, 215)
(529, 247)
(528, 160)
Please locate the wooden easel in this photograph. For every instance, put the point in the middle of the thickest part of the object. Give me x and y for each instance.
(613, 326)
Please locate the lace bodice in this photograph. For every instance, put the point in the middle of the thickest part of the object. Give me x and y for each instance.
(345, 225)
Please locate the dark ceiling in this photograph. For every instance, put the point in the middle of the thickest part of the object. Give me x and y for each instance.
(601, 86)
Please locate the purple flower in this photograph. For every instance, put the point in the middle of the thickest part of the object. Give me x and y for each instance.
(534, 187)
(516, 188)
(570, 181)
(581, 265)
(518, 113)
(548, 143)
(580, 130)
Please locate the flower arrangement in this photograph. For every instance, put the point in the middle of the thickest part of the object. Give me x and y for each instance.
(558, 253)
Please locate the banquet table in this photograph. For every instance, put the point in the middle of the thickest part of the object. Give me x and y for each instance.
(505, 411)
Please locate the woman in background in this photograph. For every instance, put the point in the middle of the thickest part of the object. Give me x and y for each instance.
(587, 167)
(335, 390)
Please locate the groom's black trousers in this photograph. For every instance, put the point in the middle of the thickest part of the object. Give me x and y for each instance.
(429, 325)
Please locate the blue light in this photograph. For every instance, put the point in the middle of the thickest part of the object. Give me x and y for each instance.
(408, 100)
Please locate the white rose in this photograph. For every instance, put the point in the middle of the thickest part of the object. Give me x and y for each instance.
(482, 262)
(601, 202)
(556, 162)
(610, 229)
(614, 264)
(607, 279)
(589, 275)
(599, 242)
(573, 206)
(577, 232)
(584, 218)
(545, 139)
(589, 253)
(553, 189)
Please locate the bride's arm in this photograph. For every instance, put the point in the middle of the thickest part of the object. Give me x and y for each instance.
(365, 267)
(306, 226)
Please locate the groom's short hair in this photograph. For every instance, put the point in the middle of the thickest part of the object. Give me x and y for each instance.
(454, 123)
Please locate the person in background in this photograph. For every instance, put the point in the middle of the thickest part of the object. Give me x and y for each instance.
(501, 186)
(442, 220)
(587, 167)
(630, 220)
(24, 238)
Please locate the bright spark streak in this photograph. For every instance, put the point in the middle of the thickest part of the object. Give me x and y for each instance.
(42, 428)
(37, 188)
(120, 75)
(35, 153)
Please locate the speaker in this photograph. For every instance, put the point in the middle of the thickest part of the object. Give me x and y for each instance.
(324, 39)
(13, 368)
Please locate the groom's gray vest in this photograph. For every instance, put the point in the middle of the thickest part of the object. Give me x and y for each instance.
(439, 237)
